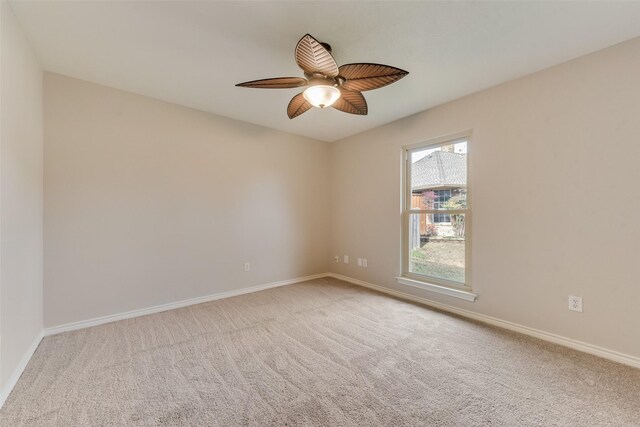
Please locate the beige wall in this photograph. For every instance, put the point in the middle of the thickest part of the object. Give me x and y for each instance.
(149, 203)
(554, 170)
(20, 198)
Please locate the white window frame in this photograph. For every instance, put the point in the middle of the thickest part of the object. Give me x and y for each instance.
(442, 286)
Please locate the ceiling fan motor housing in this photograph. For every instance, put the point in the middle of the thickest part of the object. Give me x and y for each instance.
(318, 79)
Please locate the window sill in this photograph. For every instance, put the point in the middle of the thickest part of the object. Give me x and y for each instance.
(456, 293)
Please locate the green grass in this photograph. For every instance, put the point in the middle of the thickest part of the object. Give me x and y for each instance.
(444, 260)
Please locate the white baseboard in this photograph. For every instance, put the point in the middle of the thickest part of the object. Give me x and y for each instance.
(170, 306)
(6, 390)
(546, 336)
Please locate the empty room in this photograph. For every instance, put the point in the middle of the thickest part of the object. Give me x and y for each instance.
(319, 213)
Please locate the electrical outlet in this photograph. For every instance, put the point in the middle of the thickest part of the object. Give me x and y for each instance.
(345, 259)
(336, 258)
(364, 262)
(575, 303)
(247, 266)
(359, 262)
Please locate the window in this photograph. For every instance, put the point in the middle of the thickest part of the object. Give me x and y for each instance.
(440, 198)
(436, 216)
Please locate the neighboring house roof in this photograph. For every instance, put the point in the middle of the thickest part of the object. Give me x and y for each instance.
(439, 169)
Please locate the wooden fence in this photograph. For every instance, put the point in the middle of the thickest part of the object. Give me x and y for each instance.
(417, 202)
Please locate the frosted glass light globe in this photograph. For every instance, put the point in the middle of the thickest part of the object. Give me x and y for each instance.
(321, 95)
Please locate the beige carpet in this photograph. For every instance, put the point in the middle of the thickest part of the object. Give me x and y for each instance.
(316, 353)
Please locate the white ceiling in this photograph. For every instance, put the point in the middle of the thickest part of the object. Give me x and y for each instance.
(193, 53)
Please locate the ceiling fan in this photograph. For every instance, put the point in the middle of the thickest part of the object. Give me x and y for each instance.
(328, 84)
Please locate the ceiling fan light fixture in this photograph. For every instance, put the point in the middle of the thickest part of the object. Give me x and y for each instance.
(321, 96)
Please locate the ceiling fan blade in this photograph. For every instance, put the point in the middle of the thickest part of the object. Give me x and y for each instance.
(312, 57)
(275, 83)
(351, 102)
(364, 76)
(297, 106)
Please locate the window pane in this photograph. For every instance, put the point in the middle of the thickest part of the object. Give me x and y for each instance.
(439, 177)
(437, 248)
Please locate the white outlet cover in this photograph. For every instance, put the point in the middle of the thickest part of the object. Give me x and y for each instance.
(345, 259)
(575, 303)
(247, 266)
(364, 262)
(359, 262)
